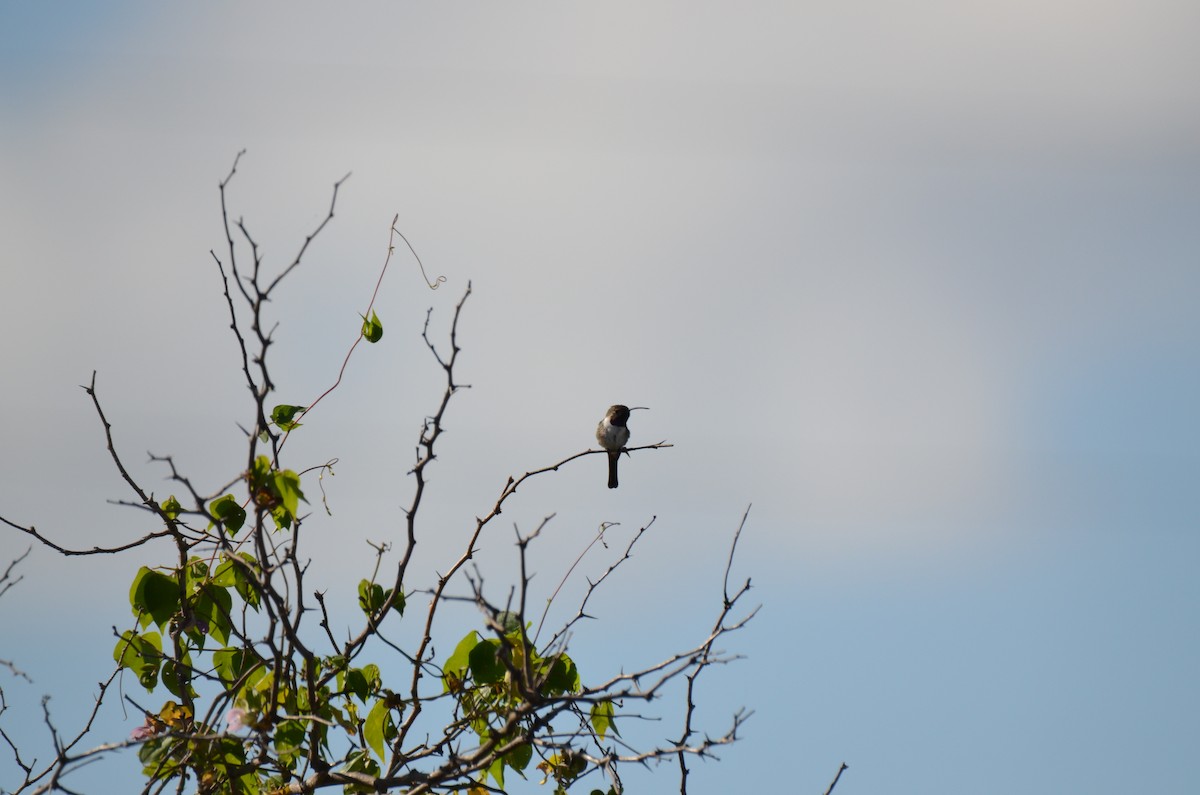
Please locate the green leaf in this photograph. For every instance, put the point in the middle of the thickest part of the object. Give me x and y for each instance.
(256, 690)
(370, 596)
(173, 677)
(496, 771)
(284, 416)
(141, 654)
(160, 758)
(287, 486)
(485, 663)
(252, 782)
(195, 574)
(379, 727)
(357, 684)
(171, 507)
(518, 758)
(290, 738)
(214, 605)
(602, 718)
(228, 512)
(230, 572)
(509, 621)
(563, 677)
(153, 596)
(232, 664)
(275, 490)
(225, 575)
(372, 329)
(361, 762)
(259, 471)
(231, 751)
(459, 661)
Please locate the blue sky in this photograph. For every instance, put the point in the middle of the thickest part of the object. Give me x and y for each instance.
(919, 283)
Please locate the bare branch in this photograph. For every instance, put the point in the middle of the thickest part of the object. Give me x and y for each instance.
(65, 762)
(311, 236)
(706, 651)
(33, 532)
(6, 579)
(592, 586)
(833, 783)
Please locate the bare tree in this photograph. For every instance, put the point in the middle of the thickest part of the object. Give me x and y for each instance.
(260, 695)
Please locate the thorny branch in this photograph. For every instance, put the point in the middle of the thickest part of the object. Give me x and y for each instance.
(299, 669)
(621, 688)
(706, 650)
(592, 586)
(47, 777)
(6, 579)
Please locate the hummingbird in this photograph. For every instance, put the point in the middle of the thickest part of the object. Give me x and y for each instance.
(613, 433)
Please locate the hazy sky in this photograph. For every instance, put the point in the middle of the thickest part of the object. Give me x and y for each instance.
(918, 280)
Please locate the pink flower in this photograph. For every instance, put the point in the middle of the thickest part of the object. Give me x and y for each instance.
(143, 732)
(236, 719)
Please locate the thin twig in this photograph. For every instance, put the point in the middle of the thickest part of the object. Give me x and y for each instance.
(833, 783)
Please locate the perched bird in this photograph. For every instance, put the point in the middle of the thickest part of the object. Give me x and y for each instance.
(613, 433)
